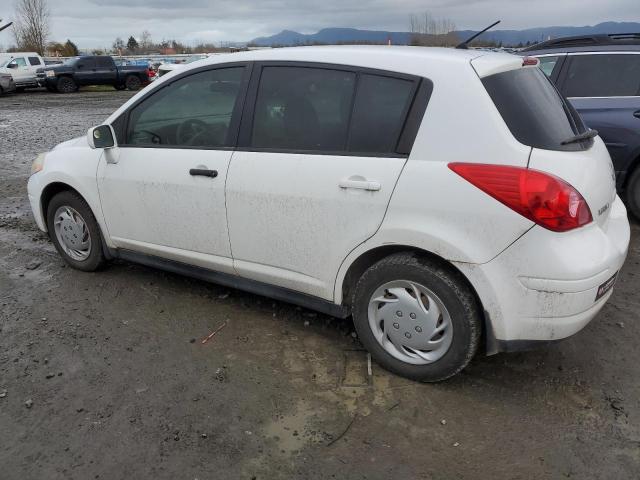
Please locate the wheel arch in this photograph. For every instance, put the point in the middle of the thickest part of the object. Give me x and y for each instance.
(366, 259)
(52, 190)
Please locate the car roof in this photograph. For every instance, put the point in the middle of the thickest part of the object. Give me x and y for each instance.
(617, 42)
(402, 59)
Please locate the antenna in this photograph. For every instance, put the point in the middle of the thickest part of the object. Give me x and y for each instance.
(5, 26)
(465, 45)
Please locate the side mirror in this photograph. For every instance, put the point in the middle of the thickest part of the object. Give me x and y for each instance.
(12, 65)
(101, 137)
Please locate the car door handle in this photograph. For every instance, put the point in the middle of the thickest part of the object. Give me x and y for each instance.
(360, 185)
(201, 172)
(636, 114)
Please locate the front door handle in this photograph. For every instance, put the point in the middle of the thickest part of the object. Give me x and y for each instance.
(202, 172)
(636, 114)
(360, 184)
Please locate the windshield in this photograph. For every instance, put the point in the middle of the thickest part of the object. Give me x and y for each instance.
(534, 111)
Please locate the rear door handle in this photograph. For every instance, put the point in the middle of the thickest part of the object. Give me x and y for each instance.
(360, 185)
(201, 172)
(636, 114)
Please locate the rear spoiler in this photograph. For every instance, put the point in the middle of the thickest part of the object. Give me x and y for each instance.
(493, 63)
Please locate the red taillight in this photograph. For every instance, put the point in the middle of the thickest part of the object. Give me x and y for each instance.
(543, 198)
(151, 73)
(530, 62)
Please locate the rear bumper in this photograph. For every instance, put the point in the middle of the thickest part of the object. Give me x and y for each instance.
(544, 286)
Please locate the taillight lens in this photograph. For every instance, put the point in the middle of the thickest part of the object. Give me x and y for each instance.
(543, 198)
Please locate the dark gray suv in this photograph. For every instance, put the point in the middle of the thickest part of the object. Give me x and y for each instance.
(600, 75)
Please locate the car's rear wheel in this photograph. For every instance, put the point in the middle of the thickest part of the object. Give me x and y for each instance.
(75, 232)
(66, 85)
(417, 317)
(632, 193)
(132, 83)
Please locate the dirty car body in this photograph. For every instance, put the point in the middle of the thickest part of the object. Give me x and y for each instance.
(346, 180)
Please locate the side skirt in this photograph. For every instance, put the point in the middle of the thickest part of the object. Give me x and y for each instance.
(234, 281)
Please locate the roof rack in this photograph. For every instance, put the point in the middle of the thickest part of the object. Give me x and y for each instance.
(588, 41)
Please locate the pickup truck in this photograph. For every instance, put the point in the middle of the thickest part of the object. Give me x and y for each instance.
(92, 70)
(22, 66)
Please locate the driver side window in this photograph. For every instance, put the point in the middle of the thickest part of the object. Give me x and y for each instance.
(194, 111)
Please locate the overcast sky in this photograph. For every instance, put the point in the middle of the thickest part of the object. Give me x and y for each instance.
(96, 23)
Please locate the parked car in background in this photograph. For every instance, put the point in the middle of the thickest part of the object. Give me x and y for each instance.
(167, 67)
(22, 66)
(600, 75)
(92, 70)
(7, 85)
(335, 178)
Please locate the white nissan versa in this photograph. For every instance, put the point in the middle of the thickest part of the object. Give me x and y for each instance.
(433, 194)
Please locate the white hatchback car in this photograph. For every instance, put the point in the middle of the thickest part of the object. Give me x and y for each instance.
(439, 196)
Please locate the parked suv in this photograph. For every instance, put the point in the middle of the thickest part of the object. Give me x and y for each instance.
(22, 66)
(600, 75)
(438, 196)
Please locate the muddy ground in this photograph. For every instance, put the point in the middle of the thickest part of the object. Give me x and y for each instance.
(104, 375)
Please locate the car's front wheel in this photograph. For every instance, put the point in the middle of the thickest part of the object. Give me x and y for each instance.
(417, 317)
(75, 231)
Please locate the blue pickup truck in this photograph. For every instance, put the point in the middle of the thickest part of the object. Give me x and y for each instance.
(92, 70)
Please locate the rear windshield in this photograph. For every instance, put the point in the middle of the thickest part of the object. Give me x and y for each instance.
(534, 111)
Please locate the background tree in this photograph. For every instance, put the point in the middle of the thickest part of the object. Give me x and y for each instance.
(427, 30)
(132, 44)
(118, 45)
(70, 49)
(146, 43)
(31, 26)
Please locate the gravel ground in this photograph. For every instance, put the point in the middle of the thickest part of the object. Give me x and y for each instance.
(104, 375)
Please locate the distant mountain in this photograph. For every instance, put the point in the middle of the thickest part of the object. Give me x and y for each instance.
(507, 37)
(333, 35)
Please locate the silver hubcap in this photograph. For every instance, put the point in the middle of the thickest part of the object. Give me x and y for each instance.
(410, 322)
(72, 233)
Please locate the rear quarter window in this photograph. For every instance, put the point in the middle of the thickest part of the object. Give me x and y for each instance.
(534, 111)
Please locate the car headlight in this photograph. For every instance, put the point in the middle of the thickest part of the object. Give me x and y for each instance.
(50, 73)
(38, 163)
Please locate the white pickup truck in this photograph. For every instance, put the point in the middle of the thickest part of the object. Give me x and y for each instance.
(22, 66)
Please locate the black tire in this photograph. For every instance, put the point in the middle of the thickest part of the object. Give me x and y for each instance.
(632, 193)
(95, 259)
(119, 87)
(66, 85)
(133, 83)
(450, 288)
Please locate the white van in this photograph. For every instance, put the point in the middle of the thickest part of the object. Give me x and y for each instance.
(22, 66)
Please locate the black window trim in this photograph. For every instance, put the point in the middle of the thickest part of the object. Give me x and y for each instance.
(121, 124)
(413, 114)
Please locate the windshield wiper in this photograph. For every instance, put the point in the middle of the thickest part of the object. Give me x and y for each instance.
(580, 137)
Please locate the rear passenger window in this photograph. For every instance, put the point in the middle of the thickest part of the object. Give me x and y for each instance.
(300, 108)
(34, 60)
(603, 76)
(380, 110)
(314, 109)
(104, 62)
